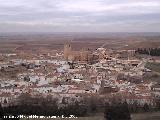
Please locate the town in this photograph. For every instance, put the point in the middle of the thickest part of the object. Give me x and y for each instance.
(71, 75)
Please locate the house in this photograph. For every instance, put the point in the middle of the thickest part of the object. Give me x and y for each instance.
(6, 99)
(156, 87)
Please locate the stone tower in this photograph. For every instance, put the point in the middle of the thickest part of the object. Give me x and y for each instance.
(67, 51)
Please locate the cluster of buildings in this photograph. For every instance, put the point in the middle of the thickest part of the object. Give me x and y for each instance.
(70, 75)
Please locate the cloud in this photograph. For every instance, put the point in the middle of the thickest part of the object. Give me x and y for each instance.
(99, 6)
(67, 15)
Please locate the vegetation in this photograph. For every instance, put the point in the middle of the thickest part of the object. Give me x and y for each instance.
(49, 107)
(44, 106)
(1, 112)
(119, 111)
(150, 51)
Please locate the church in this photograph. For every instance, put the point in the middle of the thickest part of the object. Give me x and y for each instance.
(82, 56)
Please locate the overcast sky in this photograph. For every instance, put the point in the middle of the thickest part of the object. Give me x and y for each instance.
(79, 15)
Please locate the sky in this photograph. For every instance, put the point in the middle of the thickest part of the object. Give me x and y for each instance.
(79, 15)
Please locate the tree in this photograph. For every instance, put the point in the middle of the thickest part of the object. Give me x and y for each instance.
(1, 111)
(117, 111)
(150, 51)
(146, 107)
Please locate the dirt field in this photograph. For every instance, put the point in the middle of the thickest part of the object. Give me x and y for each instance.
(33, 42)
